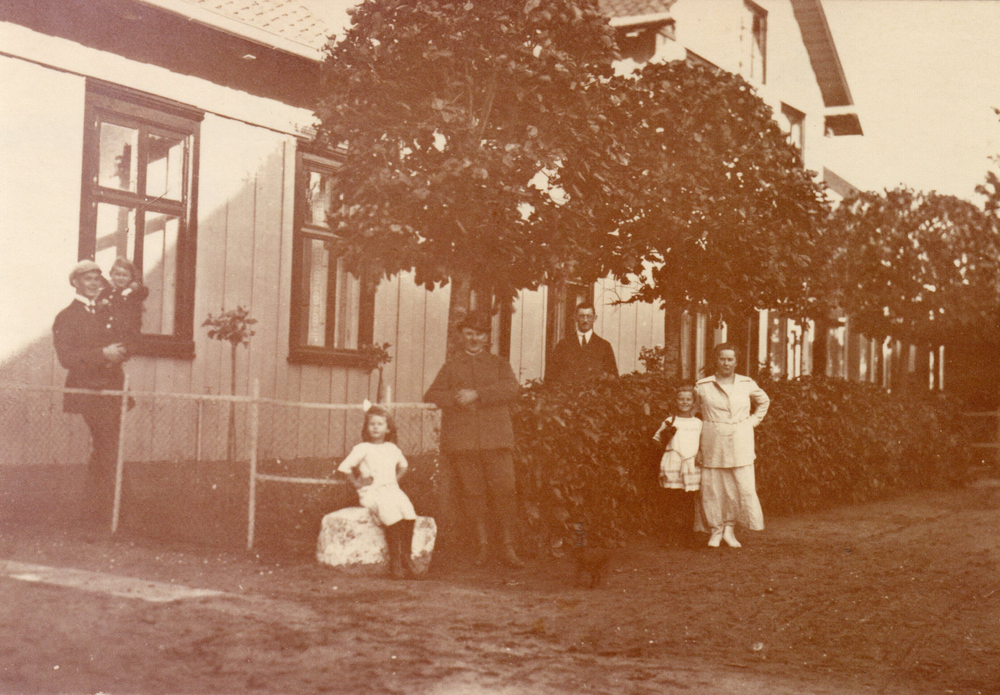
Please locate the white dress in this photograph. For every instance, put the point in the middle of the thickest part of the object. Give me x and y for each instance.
(382, 496)
(678, 470)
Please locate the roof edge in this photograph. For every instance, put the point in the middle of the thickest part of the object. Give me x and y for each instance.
(824, 25)
(639, 19)
(215, 20)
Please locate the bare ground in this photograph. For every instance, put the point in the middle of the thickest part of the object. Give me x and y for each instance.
(899, 596)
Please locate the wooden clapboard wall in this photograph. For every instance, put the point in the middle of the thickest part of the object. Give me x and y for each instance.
(628, 327)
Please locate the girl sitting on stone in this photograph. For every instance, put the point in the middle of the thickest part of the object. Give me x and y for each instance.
(375, 467)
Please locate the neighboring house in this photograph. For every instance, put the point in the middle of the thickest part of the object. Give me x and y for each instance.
(784, 48)
(176, 132)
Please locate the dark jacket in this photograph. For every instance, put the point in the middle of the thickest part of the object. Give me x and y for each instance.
(80, 337)
(485, 424)
(571, 363)
(122, 311)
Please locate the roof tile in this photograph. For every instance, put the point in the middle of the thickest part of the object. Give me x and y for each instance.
(288, 19)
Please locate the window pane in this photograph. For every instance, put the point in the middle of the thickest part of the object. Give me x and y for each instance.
(119, 151)
(159, 272)
(348, 302)
(164, 168)
(115, 234)
(316, 274)
(319, 197)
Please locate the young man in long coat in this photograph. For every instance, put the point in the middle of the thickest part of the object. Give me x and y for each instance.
(83, 345)
(475, 390)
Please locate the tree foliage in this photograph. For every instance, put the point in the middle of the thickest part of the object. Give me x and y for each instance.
(453, 110)
(730, 217)
(492, 139)
(918, 266)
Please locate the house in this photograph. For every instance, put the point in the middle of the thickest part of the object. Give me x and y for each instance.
(785, 49)
(176, 133)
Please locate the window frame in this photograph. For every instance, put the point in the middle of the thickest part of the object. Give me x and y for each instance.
(758, 17)
(108, 103)
(307, 161)
(794, 118)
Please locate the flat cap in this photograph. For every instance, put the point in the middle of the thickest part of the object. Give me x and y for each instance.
(82, 267)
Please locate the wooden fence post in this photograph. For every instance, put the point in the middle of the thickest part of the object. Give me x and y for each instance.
(254, 422)
(120, 459)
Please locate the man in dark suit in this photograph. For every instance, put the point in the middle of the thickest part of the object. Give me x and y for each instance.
(84, 347)
(582, 356)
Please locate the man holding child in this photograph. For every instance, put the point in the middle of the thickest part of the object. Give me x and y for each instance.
(84, 346)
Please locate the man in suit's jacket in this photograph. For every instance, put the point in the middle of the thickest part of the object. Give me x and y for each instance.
(582, 356)
(84, 347)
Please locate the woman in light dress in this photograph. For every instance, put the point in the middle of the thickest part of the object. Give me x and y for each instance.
(731, 406)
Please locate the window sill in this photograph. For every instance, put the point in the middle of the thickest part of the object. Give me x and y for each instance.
(329, 358)
(164, 346)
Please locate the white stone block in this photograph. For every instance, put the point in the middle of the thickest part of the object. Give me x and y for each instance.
(351, 539)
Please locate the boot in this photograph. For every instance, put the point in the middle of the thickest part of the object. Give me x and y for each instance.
(729, 537)
(405, 541)
(510, 558)
(484, 543)
(715, 538)
(396, 568)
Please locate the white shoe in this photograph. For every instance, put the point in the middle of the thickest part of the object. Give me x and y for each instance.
(715, 539)
(729, 538)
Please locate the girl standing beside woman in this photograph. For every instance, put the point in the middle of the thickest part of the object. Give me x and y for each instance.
(375, 467)
(680, 475)
(731, 406)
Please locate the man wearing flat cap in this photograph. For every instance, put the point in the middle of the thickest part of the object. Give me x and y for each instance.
(474, 390)
(84, 347)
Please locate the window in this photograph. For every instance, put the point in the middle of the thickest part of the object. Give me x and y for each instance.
(138, 201)
(332, 304)
(795, 121)
(755, 33)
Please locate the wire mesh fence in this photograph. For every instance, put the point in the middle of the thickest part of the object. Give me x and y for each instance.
(189, 456)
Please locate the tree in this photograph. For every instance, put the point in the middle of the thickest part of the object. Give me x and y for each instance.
(490, 140)
(233, 327)
(481, 138)
(922, 267)
(730, 218)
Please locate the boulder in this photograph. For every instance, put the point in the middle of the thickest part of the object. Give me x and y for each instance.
(351, 539)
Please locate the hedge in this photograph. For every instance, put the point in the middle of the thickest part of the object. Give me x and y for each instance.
(585, 456)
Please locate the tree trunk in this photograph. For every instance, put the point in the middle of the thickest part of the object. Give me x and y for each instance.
(231, 442)
(458, 308)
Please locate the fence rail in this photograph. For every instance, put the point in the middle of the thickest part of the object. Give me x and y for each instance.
(161, 427)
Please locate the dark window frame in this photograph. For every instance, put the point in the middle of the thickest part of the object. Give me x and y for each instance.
(758, 29)
(307, 161)
(108, 103)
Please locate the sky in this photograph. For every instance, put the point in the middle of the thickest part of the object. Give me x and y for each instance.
(925, 77)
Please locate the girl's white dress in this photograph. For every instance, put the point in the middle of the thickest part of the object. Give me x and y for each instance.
(382, 496)
(677, 467)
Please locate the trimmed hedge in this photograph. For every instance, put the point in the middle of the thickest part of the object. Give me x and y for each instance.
(586, 456)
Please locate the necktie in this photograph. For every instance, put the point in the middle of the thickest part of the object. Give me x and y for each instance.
(583, 340)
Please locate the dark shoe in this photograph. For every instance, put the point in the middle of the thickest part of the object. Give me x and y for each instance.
(510, 558)
(405, 541)
(483, 557)
(396, 570)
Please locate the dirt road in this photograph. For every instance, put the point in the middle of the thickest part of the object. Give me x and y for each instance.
(894, 597)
